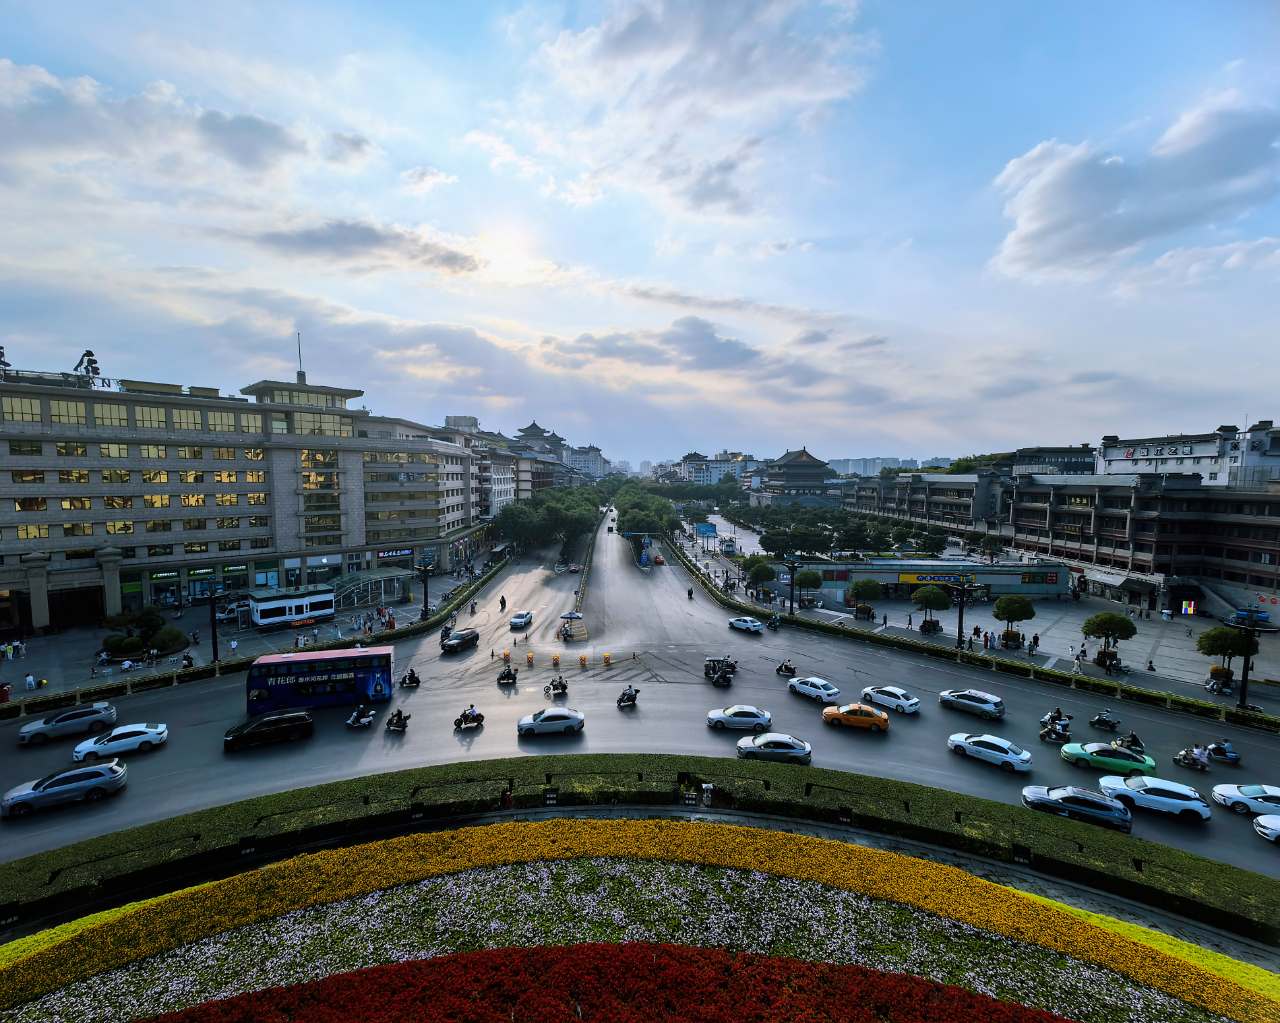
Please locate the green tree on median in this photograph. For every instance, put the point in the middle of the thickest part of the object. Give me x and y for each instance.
(931, 598)
(1226, 644)
(1012, 609)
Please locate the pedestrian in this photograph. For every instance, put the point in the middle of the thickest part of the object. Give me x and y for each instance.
(1035, 640)
(315, 634)
(908, 621)
(22, 648)
(297, 641)
(970, 643)
(30, 682)
(1188, 630)
(235, 645)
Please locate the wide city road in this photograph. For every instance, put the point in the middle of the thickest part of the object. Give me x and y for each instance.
(648, 614)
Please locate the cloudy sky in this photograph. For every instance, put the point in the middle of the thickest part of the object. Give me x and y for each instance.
(870, 228)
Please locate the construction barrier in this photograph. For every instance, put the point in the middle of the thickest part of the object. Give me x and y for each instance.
(528, 658)
(607, 660)
(582, 660)
(555, 660)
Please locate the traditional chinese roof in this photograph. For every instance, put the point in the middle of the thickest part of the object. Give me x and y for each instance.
(532, 430)
(798, 458)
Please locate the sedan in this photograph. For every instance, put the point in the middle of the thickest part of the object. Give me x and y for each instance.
(893, 697)
(1106, 757)
(815, 688)
(740, 715)
(1268, 827)
(747, 624)
(77, 784)
(991, 748)
(1248, 798)
(775, 746)
(658, 559)
(551, 720)
(122, 739)
(974, 701)
(1171, 797)
(1079, 804)
(96, 717)
(856, 715)
(522, 620)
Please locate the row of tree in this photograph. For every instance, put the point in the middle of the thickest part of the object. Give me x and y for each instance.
(561, 515)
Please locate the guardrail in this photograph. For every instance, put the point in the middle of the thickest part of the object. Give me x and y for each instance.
(1086, 683)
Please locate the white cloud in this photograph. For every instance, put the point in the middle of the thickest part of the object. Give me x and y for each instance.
(1078, 211)
(424, 179)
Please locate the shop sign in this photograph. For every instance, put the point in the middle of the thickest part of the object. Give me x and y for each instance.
(935, 577)
(402, 552)
(153, 576)
(193, 572)
(235, 568)
(135, 587)
(1039, 578)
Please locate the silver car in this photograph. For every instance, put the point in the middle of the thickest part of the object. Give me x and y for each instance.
(740, 715)
(121, 739)
(774, 746)
(551, 720)
(94, 718)
(974, 701)
(79, 784)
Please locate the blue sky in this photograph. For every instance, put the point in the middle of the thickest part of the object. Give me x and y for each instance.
(874, 228)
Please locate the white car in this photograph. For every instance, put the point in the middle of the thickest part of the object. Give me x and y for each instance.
(1268, 826)
(747, 624)
(522, 620)
(815, 688)
(893, 697)
(1150, 793)
(992, 749)
(551, 720)
(121, 739)
(740, 715)
(1248, 798)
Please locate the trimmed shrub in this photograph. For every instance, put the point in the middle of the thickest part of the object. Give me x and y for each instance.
(168, 640)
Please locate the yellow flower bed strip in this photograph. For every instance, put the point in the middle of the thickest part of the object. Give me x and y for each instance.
(346, 873)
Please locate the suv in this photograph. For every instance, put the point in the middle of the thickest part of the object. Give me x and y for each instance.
(274, 726)
(460, 640)
(79, 784)
(97, 717)
(975, 701)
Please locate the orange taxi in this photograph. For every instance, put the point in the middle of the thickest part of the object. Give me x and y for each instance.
(856, 715)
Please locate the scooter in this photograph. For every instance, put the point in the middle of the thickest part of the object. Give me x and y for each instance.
(410, 681)
(723, 679)
(1222, 752)
(399, 725)
(1134, 745)
(1047, 720)
(789, 670)
(774, 623)
(465, 720)
(1220, 688)
(508, 675)
(1105, 721)
(556, 687)
(360, 720)
(1056, 736)
(1185, 758)
(627, 698)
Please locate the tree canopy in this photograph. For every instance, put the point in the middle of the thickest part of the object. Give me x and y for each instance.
(761, 572)
(931, 598)
(1012, 609)
(1109, 627)
(1226, 643)
(867, 590)
(809, 579)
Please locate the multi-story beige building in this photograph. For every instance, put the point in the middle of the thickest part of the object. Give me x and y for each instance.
(119, 494)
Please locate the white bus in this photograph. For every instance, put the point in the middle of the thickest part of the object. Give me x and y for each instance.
(306, 605)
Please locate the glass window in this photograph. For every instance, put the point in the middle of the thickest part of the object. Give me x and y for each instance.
(29, 504)
(21, 410)
(259, 521)
(228, 523)
(117, 502)
(187, 419)
(67, 412)
(117, 528)
(27, 475)
(225, 476)
(255, 498)
(155, 475)
(228, 545)
(260, 476)
(34, 531)
(190, 476)
(76, 504)
(159, 526)
(160, 550)
(193, 525)
(155, 500)
(153, 451)
(193, 500)
(195, 548)
(321, 523)
(225, 500)
(113, 450)
(73, 475)
(71, 448)
(186, 451)
(279, 422)
(224, 454)
(110, 415)
(260, 542)
(149, 417)
(250, 422)
(115, 475)
(222, 422)
(77, 529)
(254, 454)
(312, 458)
(26, 447)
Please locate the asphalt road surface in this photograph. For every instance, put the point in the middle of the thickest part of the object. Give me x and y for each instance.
(648, 613)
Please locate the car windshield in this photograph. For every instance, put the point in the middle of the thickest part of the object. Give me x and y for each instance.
(1013, 748)
(1058, 793)
(1252, 790)
(539, 715)
(104, 738)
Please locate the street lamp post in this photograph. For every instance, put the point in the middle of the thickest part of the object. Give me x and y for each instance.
(1242, 703)
(962, 588)
(793, 566)
(425, 571)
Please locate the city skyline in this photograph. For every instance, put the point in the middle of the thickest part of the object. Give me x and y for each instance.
(782, 223)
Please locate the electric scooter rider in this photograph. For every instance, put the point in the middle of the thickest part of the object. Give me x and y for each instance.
(470, 713)
(398, 720)
(630, 693)
(1200, 754)
(360, 714)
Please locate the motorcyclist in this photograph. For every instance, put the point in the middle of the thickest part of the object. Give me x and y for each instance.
(359, 714)
(1132, 741)
(399, 719)
(470, 713)
(1055, 715)
(559, 685)
(1200, 755)
(630, 693)
(1223, 746)
(786, 667)
(473, 607)
(412, 678)
(502, 603)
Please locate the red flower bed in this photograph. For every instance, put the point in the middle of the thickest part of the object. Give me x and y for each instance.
(612, 984)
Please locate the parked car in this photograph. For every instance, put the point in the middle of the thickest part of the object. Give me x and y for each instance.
(775, 746)
(1268, 826)
(1248, 798)
(1107, 757)
(551, 720)
(121, 739)
(991, 748)
(746, 624)
(1171, 797)
(973, 701)
(740, 715)
(815, 688)
(459, 640)
(658, 559)
(273, 726)
(894, 697)
(77, 784)
(1079, 804)
(856, 715)
(94, 718)
(522, 620)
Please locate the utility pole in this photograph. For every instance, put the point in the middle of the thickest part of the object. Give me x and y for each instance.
(963, 589)
(793, 566)
(213, 625)
(1242, 703)
(424, 570)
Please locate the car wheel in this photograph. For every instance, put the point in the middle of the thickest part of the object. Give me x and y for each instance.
(91, 757)
(295, 734)
(718, 725)
(875, 729)
(1005, 765)
(97, 727)
(1190, 815)
(757, 728)
(1125, 801)
(145, 747)
(988, 716)
(93, 795)
(899, 708)
(39, 739)
(570, 729)
(19, 809)
(958, 750)
(1080, 762)
(1240, 808)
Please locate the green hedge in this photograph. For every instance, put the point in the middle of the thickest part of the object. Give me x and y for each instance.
(76, 879)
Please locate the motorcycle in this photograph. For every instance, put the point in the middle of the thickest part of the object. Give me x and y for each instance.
(399, 724)
(1222, 752)
(1056, 736)
(410, 680)
(556, 687)
(1129, 742)
(1047, 720)
(1185, 758)
(468, 720)
(628, 698)
(359, 719)
(774, 623)
(789, 670)
(1220, 688)
(722, 678)
(508, 675)
(1105, 721)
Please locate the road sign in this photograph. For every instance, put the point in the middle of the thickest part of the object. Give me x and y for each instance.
(705, 528)
(644, 558)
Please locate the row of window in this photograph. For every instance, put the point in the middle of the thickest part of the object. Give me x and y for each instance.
(40, 530)
(79, 449)
(38, 504)
(146, 475)
(145, 417)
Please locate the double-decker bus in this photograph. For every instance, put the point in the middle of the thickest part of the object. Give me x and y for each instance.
(326, 678)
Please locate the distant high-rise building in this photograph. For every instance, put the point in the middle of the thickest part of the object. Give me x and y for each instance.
(646, 468)
(937, 462)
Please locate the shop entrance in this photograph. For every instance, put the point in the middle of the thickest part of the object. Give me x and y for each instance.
(71, 608)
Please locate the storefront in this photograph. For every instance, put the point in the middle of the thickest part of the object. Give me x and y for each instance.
(131, 593)
(235, 578)
(266, 575)
(397, 557)
(323, 568)
(201, 584)
(164, 589)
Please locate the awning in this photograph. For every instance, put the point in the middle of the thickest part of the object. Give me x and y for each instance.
(1138, 586)
(1096, 575)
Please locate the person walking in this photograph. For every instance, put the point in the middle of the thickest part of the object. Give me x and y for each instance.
(235, 645)
(908, 621)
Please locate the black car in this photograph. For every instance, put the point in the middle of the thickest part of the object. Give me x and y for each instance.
(460, 640)
(274, 726)
(1079, 804)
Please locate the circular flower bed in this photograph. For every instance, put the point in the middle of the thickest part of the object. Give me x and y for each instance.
(568, 882)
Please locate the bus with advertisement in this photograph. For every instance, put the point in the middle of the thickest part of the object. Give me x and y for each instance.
(323, 678)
